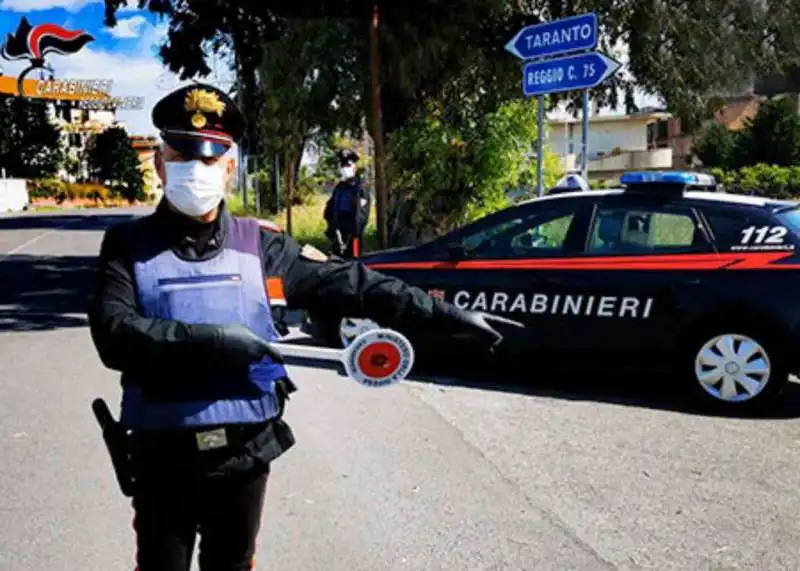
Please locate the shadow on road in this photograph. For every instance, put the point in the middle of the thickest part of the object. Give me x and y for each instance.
(39, 293)
(657, 392)
(95, 221)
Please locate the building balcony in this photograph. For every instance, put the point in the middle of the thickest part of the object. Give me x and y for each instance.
(621, 161)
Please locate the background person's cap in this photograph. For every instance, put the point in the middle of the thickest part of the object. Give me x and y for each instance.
(347, 157)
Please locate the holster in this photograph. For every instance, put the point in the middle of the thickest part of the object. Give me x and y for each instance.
(283, 388)
(119, 444)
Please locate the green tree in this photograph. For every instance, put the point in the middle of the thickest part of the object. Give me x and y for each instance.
(302, 84)
(684, 50)
(112, 159)
(456, 169)
(717, 147)
(30, 145)
(772, 136)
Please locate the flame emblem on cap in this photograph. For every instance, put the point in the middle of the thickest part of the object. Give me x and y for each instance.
(201, 101)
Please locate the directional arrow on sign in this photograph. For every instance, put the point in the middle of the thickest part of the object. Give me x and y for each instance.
(576, 33)
(571, 73)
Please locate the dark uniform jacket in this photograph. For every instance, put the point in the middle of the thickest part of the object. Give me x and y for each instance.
(352, 220)
(167, 351)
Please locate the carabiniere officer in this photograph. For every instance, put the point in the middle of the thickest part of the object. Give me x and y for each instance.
(181, 309)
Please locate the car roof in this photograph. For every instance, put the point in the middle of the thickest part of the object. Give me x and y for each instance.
(694, 195)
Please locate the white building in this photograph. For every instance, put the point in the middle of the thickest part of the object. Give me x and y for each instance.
(77, 127)
(616, 143)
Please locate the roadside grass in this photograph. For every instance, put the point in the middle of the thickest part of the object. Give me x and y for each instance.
(308, 224)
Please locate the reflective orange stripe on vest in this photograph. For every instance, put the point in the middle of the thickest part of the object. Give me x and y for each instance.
(275, 293)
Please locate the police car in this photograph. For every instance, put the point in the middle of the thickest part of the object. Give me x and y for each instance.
(666, 273)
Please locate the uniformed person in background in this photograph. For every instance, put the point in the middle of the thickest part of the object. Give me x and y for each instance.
(181, 309)
(347, 210)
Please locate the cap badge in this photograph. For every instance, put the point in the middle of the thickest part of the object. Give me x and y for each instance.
(201, 101)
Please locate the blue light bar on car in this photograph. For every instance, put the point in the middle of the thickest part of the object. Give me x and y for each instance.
(678, 178)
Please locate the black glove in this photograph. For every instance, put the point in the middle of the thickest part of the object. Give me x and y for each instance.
(481, 323)
(339, 247)
(241, 347)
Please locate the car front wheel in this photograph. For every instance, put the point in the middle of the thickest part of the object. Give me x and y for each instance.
(737, 371)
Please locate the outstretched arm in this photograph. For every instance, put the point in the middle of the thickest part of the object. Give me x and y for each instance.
(317, 284)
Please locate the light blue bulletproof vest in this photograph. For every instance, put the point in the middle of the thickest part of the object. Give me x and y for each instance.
(228, 288)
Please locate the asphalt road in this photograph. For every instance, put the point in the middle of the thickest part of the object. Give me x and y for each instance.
(559, 475)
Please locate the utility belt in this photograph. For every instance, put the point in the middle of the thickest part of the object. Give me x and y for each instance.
(190, 442)
(127, 448)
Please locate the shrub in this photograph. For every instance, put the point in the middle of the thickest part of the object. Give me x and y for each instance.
(771, 137)
(89, 191)
(761, 180)
(307, 189)
(46, 187)
(717, 146)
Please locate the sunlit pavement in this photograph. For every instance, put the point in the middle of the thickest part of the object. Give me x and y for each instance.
(423, 476)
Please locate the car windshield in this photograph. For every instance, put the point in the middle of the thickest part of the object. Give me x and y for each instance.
(475, 240)
(477, 231)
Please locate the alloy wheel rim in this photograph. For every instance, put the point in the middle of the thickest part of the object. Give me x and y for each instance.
(350, 328)
(732, 367)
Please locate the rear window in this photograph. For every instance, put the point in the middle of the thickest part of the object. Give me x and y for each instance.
(741, 231)
(727, 228)
(790, 219)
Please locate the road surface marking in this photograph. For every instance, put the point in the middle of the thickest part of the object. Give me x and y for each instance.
(31, 241)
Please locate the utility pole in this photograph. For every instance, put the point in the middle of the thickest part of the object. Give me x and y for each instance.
(276, 181)
(288, 182)
(241, 149)
(381, 194)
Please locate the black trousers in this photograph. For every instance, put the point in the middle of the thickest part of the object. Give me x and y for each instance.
(224, 511)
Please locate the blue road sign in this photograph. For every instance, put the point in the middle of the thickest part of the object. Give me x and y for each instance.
(553, 38)
(571, 73)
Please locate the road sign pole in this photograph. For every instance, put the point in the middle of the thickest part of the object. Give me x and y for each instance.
(585, 137)
(540, 148)
(544, 74)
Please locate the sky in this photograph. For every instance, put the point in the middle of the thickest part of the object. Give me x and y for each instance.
(127, 54)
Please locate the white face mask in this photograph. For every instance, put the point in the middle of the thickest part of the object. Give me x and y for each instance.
(347, 172)
(194, 187)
